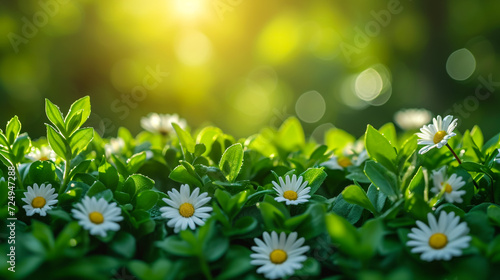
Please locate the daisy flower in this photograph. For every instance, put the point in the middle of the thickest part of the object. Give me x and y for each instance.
(97, 216)
(293, 191)
(437, 134)
(115, 146)
(186, 208)
(39, 199)
(411, 119)
(441, 240)
(42, 153)
(278, 257)
(450, 186)
(162, 123)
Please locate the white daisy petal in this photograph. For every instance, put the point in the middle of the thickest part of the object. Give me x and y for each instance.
(292, 191)
(437, 133)
(441, 240)
(39, 199)
(186, 208)
(97, 216)
(273, 256)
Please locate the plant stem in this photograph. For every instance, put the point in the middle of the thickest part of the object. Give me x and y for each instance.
(66, 177)
(205, 268)
(18, 175)
(454, 154)
(460, 162)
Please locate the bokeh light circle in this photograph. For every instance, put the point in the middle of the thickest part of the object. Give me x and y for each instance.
(368, 84)
(461, 64)
(310, 107)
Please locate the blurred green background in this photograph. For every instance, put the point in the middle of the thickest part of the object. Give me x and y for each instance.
(245, 64)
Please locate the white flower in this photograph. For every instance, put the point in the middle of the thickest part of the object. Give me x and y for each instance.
(115, 146)
(441, 240)
(98, 216)
(340, 163)
(353, 154)
(410, 119)
(437, 134)
(162, 123)
(450, 187)
(39, 199)
(292, 192)
(42, 153)
(186, 208)
(278, 257)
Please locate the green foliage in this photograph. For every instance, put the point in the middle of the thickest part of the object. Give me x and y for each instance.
(356, 220)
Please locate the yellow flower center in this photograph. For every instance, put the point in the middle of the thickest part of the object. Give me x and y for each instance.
(438, 240)
(38, 202)
(186, 210)
(438, 137)
(290, 195)
(278, 256)
(344, 162)
(448, 188)
(96, 218)
(43, 158)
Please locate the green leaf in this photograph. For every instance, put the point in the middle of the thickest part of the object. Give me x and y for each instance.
(41, 172)
(389, 132)
(108, 175)
(290, 136)
(137, 183)
(21, 147)
(54, 115)
(382, 178)
(63, 239)
(180, 174)
(337, 139)
(57, 143)
(477, 136)
(371, 233)
(96, 188)
(161, 269)
(314, 177)
(351, 212)
(81, 104)
(135, 162)
(231, 161)
(494, 214)
(237, 263)
(123, 244)
(44, 234)
(80, 140)
(74, 123)
(274, 219)
(207, 136)
(417, 184)
(356, 195)
(13, 129)
(187, 142)
(376, 197)
(380, 149)
(80, 167)
(146, 200)
(342, 233)
(176, 246)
